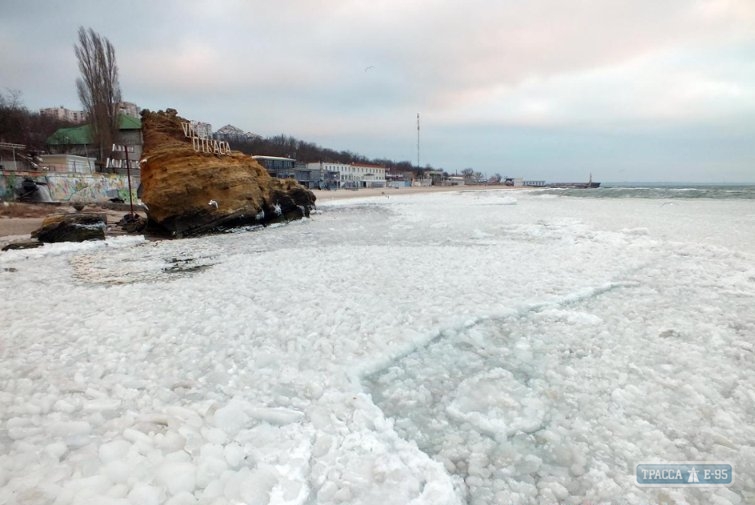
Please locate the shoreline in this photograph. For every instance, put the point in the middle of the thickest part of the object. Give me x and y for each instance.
(342, 194)
(19, 219)
(19, 227)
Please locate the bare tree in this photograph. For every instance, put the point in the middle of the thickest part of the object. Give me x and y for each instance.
(13, 117)
(98, 87)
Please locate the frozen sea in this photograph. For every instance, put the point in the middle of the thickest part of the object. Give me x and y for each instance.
(471, 347)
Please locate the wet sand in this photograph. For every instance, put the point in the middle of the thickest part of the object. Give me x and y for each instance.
(17, 226)
(18, 220)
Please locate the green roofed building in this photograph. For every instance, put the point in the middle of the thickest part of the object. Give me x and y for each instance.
(79, 140)
(129, 123)
(71, 139)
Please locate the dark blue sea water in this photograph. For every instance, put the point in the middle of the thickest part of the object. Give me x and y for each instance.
(661, 191)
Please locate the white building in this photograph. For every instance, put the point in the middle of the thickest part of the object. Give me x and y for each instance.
(353, 175)
(63, 114)
(67, 163)
(78, 116)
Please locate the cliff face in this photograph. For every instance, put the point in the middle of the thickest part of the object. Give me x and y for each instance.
(192, 188)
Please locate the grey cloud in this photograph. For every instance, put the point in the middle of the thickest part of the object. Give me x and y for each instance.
(495, 81)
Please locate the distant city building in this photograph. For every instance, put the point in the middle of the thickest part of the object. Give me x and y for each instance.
(289, 168)
(399, 178)
(353, 175)
(63, 114)
(437, 177)
(517, 182)
(276, 166)
(369, 175)
(325, 175)
(129, 109)
(231, 133)
(78, 116)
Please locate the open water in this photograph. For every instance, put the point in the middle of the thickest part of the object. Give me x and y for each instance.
(662, 191)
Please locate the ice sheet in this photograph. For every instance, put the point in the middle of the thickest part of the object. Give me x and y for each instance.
(466, 347)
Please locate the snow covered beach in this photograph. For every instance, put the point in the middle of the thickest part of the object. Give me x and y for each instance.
(462, 347)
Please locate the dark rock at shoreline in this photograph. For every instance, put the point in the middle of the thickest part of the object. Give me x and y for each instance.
(132, 223)
(28, 244)
(76, 227)
(188, 192)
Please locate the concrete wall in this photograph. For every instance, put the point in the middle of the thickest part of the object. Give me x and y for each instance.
(62, 187)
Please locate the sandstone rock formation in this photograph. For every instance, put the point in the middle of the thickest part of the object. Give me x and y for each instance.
(75, 227)
(188, 191)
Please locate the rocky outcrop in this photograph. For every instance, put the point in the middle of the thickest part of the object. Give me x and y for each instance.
(190, 189)
(75, 227)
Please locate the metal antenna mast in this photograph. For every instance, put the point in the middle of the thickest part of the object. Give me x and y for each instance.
(418, 166)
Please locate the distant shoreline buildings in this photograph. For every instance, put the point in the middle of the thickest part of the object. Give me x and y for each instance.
(351, 175)
(73, 146)
(79, 116)
(63, 114)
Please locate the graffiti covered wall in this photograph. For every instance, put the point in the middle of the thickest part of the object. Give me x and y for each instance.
(67, 187)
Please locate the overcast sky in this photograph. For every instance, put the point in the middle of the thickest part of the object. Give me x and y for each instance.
(628, 90)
